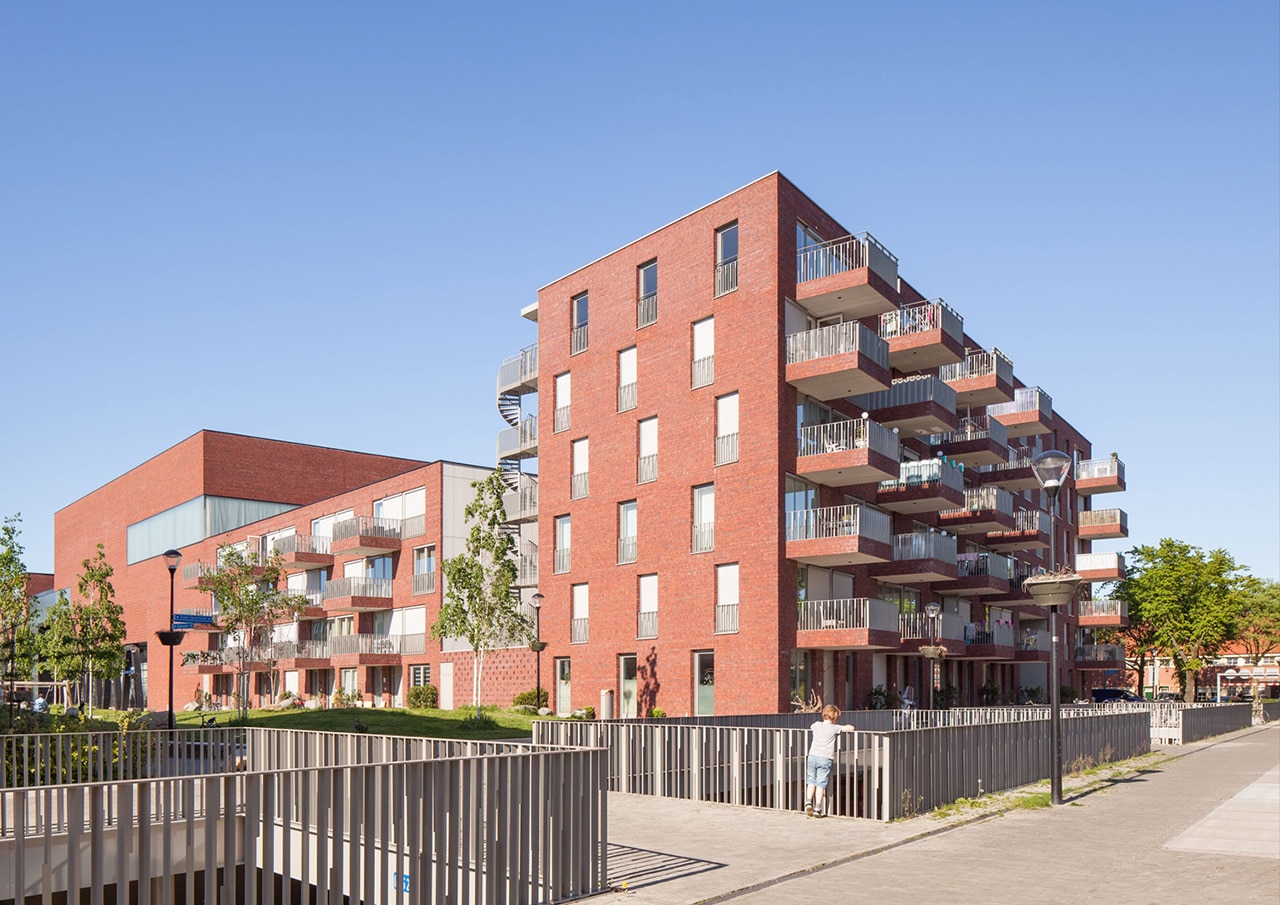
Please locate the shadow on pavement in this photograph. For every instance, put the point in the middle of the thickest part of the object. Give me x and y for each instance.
(638, 867)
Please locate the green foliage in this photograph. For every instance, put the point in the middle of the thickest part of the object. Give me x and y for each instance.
(424, 697)
(479, 721)
(1030, 694)
(946, 697)
(532, 698)
(1258, 626)
(18, 648)
(360, 726)
(989, 694)
(657, 713)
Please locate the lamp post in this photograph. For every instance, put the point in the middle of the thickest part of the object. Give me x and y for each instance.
(932, 610)
(1050, 469)
(537, 644)
(170, 638)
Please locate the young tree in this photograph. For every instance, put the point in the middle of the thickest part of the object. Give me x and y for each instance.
(1138, 639)
(1258, 628)
(479, 604)
(1190, 598)
(17, 629)
(247, 591)
(59, 653)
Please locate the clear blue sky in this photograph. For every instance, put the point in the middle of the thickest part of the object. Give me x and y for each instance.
(318, 221)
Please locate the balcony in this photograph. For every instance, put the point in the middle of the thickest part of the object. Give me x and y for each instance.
(1034, 646)
(357, 595)
(860, 623)
(303, 552)
(923, 335)
(578, 337)
(521, 441)
(563, 560)
(521, 504)
(647, 469)
(726, 619)
(518, 374)
(977, 440)
(312, 604)
(917, 406)
(989, 643)
(1100, 476)
(1100, 567)
(192, 572)
(927, 485)
(983, 378)
(854, 275)
(726, 277)
(917, 630)
(578, 633)
(1099, 656)
(841, 453)
(375, 648)
(527, 566)
(1013, 474)
(704, 538)
(561, 418)
(1103, 524)
(1030, 531)
(1018, 593)
(647, 625)
(839, 535)
(838, 360)
(919, 557)
(1030, 412)
(727, 449)
(979, 574)
(579, 485)
(424, 583)
(1105, 613)
(647, 310)
(985, 509)
(365, 535)
(626, 550)
(626, 397)
(703, 372)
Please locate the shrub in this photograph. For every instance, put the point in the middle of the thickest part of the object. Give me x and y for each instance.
(589, 711)
(877, 698)
(533, 698)
(424, 697)
(359, 726)
(989, 694)
(657, 713)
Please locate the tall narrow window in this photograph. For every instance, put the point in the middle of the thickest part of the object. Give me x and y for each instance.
(578, 333)
(581, 610)
(704, 518)
(647, 465)
(581, 467)
(563, 543)
(726, 259)
(627, 531)
(424, 570)
(647, 294)
(704, 352)
(562, 402)
(727, 429)
(627, 379)
(647, 621)
(726, 598)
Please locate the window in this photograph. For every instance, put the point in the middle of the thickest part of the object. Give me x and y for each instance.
(562, 400)
(581, 610)
(727, 429)
(799, 494)
(704, 352)
(647, 294)
(378, 567)
(323, 527)
(563, 527)
(348, 682)
(578, 485)
(806, 238)
(627, 379)
(647, 621)
(578, 323)
(627, 531)
(419, 675)
(726, 598)
(647, 466)
(424, 570)
(726, 259)
(704, 518)
(408, 508)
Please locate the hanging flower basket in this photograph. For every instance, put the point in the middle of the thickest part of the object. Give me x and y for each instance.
(933, 652)
(1054, 589)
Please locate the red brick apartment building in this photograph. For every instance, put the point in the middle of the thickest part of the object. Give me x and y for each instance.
(760, 453)
(361, 538)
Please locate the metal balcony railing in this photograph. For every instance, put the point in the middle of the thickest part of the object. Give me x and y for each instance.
(977, 427)
(413, 526)
(424, 583)
(849, 520)
(626, 397)
(626, 550)
(1025, 399)
(909, 391)
(1000, 634)
(522, 503)
(647, 624)
(1022, 571)
(519, 438)
(1099, 653)
(837, 339)
(726, 619)
(704, 371)
(647, 469)
(979, 364)
(1104, 607)
(561, 419)
(852, 613)
(366, 526)
(845, 254)
(919, 627)
(358, 587)
(578, 631)
(984, 565)
(373, 643)
(1031, 520)
(1091, 517)
(924, 545)
(563, 560)
(579, 485)
(704, 537)
(300, 543)
(647, 310)
(841, 436)
(921, 317)
(726, 449)
(1033, 640)
(925, 473)
(1109, 467)
(726, 276)
(578, 340)
(196, 570)
(984, 499)
(1093, 562)
(527, 569)
(519, 368)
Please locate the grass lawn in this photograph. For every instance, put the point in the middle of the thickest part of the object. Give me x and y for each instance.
(380, 720)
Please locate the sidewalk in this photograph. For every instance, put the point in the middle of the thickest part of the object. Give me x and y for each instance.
(1202, 825)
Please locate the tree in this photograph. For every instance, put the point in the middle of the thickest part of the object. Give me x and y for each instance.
(1138, 639)
(1258, 626)
(59, 653)
(246, 590)
(1191, 598)
(17, 631)
(478, 601)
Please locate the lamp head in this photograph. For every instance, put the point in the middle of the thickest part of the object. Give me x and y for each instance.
(932, 610)
(172, 559)
(538, 597)
(1050, 469)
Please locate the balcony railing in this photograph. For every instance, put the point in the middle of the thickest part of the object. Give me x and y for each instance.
(837, 339)
(919, 627)
(704, 537)
(561, 419)
(578, 340)
(845, 254)
(921, 318)
(527, 569)
(424, 583)
(1093, 562)
(983, 499)
(726, 276)
(726, 449)
(647, 624)
(374, 643)
(984, 565)
(522, 503)
(578, 631)
(1033, 640)
(1019, 457)
(647, 469)
(841, 436)
(1031, 520)
(1109, 467)
(979, 364)
(704, 371)
(647, 310)
(924, 545)
(1095, 653)
(726, 618)
(358, 587)
(519, 368)
(626, 550)
(1092, 517)
(366, 526)
(515, 439)
(1000, 634)
(977, 427)
(1025, 399)
(413, 526)
(1024, 570)
(194, 571)
(579, 484)
(1106, 607)
(925, 473)
(563, 560)
(849, 520)
(853, 613)
(300, 543)
(910, 391)
(626, 397)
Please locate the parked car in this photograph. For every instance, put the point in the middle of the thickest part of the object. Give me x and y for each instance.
(1110, 695)
(1169, 696)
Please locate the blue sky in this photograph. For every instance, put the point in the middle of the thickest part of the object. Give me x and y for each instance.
(318, 222)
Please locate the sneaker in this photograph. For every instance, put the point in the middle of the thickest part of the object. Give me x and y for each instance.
(818, 814)
(808, 810)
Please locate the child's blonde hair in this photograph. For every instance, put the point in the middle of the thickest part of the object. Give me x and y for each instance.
(831, 713)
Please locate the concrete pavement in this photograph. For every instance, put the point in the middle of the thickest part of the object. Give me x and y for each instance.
(1199, 823)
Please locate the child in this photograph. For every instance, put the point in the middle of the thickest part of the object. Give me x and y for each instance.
(822, 751)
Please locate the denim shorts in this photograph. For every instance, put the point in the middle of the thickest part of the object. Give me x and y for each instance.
(817, 769)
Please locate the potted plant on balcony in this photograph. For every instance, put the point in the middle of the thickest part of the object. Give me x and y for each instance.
(1053, 589)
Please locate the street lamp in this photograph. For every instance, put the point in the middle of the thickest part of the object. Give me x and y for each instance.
(537, 645)
(933, 652)
(1052, 591)
(170, 638)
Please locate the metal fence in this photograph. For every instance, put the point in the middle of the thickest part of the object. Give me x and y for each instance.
(1179, 723)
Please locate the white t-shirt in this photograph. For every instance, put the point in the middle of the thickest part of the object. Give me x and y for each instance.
(824, 739)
